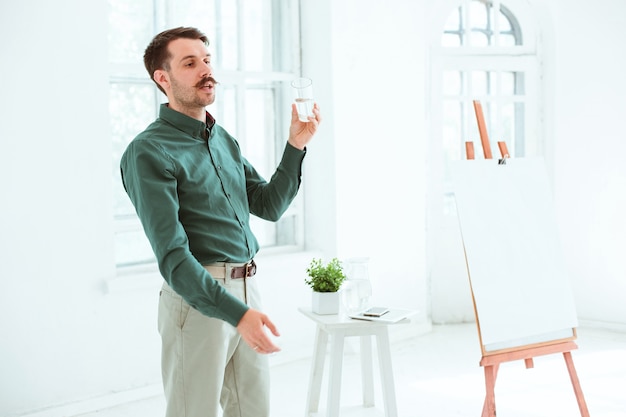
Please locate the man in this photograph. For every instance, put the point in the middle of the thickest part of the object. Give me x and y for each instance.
(194, 192)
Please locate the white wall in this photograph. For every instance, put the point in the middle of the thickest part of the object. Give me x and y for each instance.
(63, 337)
(589, 144)
(72, 330)
(378, 137)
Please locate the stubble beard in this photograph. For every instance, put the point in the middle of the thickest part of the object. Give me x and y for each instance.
(189, 97)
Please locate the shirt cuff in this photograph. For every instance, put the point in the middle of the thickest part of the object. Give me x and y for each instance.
(236, 309)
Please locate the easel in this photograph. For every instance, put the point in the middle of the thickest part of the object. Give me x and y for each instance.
(484, 137)
(491, 360)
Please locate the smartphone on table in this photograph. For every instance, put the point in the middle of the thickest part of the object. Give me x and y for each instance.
(376, 311)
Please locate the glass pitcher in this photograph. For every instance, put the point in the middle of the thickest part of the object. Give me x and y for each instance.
(357, 288)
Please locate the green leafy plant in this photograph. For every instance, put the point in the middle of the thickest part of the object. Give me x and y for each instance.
(325, 278)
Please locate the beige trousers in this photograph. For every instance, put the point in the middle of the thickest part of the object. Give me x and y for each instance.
(205, 363)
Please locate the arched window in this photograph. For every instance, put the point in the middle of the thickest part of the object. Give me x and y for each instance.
(484, 50)
(484, 57)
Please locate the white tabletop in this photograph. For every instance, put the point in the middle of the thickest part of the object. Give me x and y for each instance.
(342, 320)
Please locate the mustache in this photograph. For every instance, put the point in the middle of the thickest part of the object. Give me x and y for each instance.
(206, 80)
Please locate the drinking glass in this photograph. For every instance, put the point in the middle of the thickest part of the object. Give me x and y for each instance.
(303, 91)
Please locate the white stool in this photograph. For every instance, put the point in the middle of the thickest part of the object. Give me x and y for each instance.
(339, 326)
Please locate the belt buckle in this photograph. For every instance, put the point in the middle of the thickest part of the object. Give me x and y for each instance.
(250, 269)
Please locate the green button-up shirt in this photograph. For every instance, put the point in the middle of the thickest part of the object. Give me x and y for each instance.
(193, 192)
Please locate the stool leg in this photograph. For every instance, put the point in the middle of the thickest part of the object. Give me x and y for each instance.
(317, 371)
(367, 373)
(336, 362)
(386, 372)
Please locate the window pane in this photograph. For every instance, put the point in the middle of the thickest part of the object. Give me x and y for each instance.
(286, 229)
(454, 21)
(130, 29)
(507, 126)
(504, 23)
(506, 40)
(451, 40)
(480, 82)
(452, 129)
(452, 83)
(132, 248)
(507, 83)
(224, 109)
(264, 231)
(260, 137)
(227, 38)
(257, 41)
(132, 108)
(281, 233)
(478, 39)
(478, 14)
(196, 13)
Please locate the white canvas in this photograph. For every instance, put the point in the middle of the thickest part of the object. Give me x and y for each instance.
(519, 281)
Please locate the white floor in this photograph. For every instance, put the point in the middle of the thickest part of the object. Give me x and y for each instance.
(438, 375)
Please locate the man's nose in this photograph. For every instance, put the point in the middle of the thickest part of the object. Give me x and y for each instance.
(207, 71)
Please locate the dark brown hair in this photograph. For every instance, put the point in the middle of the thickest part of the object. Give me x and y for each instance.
(157, 56)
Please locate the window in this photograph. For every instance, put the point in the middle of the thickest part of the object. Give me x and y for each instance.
(255, 55)
(483, 53)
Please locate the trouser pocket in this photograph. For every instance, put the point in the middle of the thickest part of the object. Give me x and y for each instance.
(173, 310)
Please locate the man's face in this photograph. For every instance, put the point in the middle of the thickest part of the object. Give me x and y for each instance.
(188, 83)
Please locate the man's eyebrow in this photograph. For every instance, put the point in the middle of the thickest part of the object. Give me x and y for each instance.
(193, 57)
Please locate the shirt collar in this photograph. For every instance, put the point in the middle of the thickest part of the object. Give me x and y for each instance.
(185, 123)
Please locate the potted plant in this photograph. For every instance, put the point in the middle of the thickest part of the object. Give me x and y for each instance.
(325, 281)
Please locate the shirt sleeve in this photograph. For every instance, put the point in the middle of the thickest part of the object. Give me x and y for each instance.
(149, 177)
(270, 200)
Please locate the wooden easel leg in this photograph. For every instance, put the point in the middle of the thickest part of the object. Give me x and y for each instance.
(582, 405)
(489, 407)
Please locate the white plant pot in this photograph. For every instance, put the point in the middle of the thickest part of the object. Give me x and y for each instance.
(325, 302)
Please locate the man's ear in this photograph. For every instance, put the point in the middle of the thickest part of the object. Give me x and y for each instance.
(162, 78)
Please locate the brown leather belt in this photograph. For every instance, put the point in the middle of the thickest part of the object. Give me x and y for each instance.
(237, 270)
